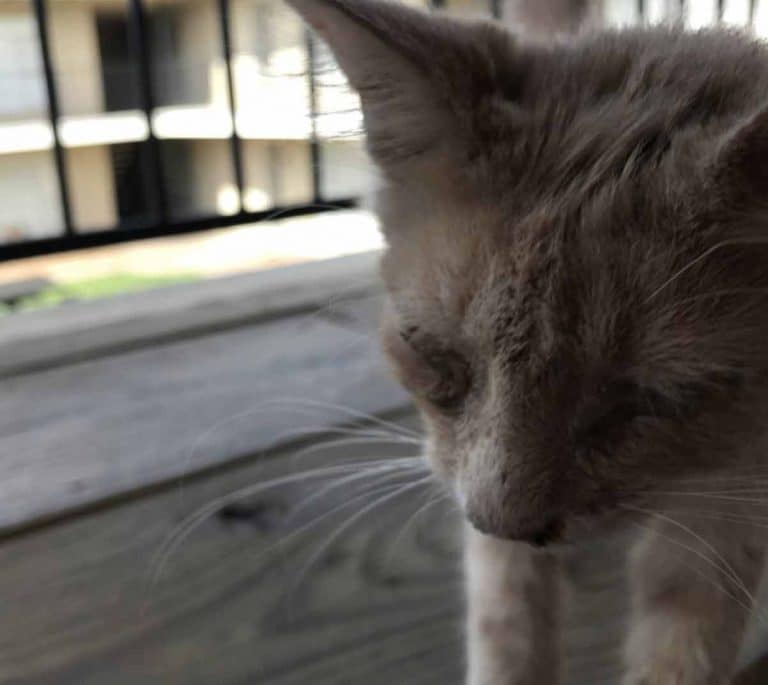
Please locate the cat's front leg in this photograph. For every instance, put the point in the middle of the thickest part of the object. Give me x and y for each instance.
(692, 585)
(513, 619)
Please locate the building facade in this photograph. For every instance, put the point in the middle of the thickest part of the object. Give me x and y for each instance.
(104, 131)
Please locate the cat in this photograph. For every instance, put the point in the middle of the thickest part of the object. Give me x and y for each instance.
(577, 277)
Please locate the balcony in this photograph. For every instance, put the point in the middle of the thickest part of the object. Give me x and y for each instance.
(165, 514)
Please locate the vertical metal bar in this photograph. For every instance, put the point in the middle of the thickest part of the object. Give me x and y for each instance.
(720, 10)
(496, 8)
(41, 19)
(234, 139)
(642, 11)
(140, 46)
(316, 152)
(752, 13)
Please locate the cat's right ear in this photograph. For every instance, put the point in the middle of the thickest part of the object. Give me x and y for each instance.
(416, 73)
(741, 168)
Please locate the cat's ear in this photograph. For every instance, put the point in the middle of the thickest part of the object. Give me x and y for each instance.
(742, 163)
(408, 67)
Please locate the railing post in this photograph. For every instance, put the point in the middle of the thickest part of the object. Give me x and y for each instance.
(41, 19)
(234, 140)
(140, 45)
(314, 143)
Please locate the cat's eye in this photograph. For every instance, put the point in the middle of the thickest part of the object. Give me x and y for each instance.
(451, 380)
(428, 369)
(620, 404)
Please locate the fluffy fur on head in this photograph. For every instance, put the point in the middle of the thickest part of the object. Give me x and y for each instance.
(577, 250)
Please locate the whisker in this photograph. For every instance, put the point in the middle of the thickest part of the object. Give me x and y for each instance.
(181, 532)
(730, 572)
(349, 411)
(759, 521)
(696, 570)
(700, 258)
(341, 442)
(441, 496)
(382, 435)
(351, 521)
(341, 483)
(382, 486)
(260, 408)
(714, 495)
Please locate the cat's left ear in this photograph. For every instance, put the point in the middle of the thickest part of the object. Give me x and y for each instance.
(741, 168)
(420, 76)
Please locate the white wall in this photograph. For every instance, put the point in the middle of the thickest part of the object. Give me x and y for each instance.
(76, 58)
(214, 191)
(91, 187)
(276, 173)
(201, 47)
(22, 91)
(29, 199)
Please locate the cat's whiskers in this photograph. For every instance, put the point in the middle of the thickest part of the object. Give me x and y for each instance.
(177, 536)
(383, 435)
(745, 473)
(380, 488)
(389, 430)
(412, 518)
(722, 564)
(418, 467)
(717, 515)
(324, 445)
(718, 496)
(383, 499)
(701, 257)
(298, 402)
(719, 586)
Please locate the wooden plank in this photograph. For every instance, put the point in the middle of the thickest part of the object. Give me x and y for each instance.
(31, 341)
(77, 435)
(381, 604)
(241, 602)
(80, 609)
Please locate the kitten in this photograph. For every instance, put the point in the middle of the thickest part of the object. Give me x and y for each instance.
(577, 273)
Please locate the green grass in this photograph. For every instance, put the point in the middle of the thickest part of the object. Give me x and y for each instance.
(97, 288)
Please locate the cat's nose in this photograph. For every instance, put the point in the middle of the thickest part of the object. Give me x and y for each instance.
(538, 535)
(550, 533)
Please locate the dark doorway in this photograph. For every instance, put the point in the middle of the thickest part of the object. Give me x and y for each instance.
(118, 67)
(130, 165)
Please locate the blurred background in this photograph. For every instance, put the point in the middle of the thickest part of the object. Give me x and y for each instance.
(207, 475)
(124, 119)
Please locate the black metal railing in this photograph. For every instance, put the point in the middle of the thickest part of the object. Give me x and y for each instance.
(158, 218)
(159, 221)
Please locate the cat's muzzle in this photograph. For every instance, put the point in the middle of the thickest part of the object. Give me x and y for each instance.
(548, 532)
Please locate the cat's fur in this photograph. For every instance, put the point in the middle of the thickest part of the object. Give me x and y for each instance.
(578, 277)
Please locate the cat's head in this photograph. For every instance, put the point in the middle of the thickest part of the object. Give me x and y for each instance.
(577, 261)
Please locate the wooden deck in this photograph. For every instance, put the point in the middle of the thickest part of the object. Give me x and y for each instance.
(243, 598)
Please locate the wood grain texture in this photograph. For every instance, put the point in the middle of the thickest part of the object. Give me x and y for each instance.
(83, 433)
(246, 601)
(83, 330)
(79, 608)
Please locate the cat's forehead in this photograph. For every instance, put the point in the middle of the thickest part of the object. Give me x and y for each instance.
(520, 284)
